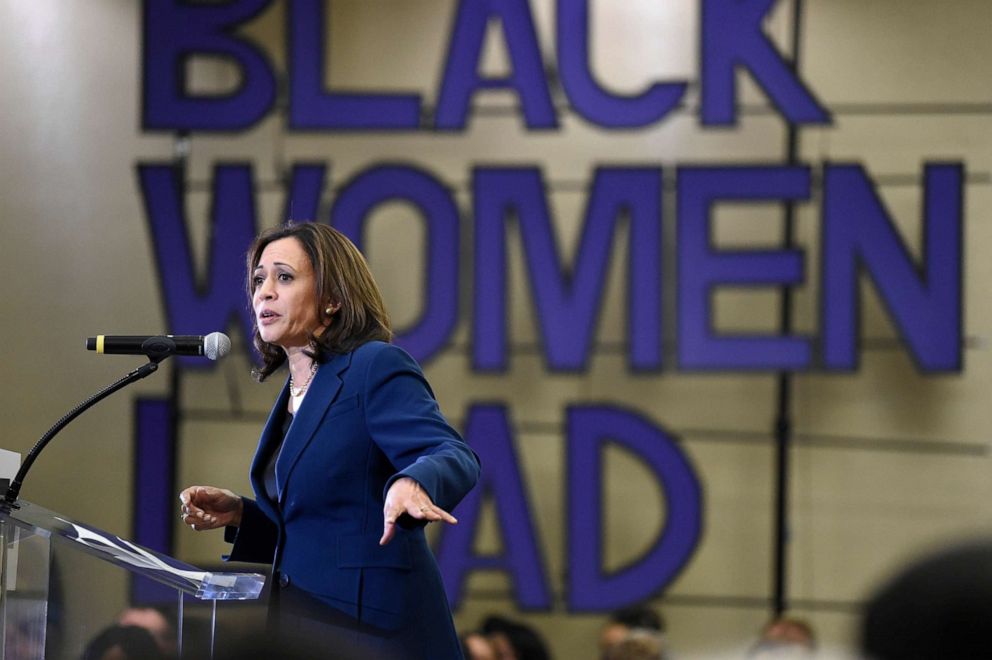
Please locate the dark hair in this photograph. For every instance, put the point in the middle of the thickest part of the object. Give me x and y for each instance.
(639, 616)
(134, 641)
(342, 278)
(936, 607)
(526, 641)
(276, 645)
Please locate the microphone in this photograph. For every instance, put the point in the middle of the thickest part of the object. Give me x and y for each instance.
(215, 345)
(157, 348)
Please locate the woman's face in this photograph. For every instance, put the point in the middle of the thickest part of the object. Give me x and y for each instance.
(285, 295)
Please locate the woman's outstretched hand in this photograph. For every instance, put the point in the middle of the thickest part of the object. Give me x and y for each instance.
(206, 507)
(407, 496)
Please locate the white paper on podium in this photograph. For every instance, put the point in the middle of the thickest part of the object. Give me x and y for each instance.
(10, 463)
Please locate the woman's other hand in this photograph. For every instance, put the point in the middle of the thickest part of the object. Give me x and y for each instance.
(206, 507)
(407, 496)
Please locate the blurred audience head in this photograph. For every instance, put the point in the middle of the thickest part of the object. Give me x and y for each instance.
(625, 620)
(122, 643)
(937, 607)
(638, 644)
(785, 637)
(512, 640)
(161, 626)
(476, 646)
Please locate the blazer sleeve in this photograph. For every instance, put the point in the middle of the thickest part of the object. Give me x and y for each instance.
(255, 539)
(406, 423)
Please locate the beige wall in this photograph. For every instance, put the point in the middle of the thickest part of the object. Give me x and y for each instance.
(77, 260)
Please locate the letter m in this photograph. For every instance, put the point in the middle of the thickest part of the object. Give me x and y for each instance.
(567, 299)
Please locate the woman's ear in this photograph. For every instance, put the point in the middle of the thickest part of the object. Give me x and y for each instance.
(331, 309)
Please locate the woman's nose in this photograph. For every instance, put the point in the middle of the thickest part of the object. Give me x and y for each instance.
(265, 290)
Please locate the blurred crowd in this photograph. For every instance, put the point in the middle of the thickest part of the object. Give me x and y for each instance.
(631, 633)
(634, 633)
(935, 608)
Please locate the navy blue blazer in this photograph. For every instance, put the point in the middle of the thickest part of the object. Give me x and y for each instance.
(369, 418)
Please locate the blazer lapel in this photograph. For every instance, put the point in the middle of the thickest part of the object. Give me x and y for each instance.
(271, 435)
(323, 391)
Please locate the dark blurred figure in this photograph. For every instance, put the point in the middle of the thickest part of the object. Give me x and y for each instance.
(161, 624)
(198, 634)
(270, 645)
(638, 644)
(512, 640)
(476, 646)
(938, 607)
(785, 637)
(122, 643)
(623, 621)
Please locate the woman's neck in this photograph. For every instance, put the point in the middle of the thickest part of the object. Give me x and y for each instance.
(301, 371)
(299, 364)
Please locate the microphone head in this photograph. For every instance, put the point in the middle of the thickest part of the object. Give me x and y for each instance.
(216, 345)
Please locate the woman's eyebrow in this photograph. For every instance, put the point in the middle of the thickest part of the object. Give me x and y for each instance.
(275, 263)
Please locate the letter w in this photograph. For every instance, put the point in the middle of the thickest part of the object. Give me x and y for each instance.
(199, 304)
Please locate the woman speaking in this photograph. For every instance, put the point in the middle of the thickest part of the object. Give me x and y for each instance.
(354, 461)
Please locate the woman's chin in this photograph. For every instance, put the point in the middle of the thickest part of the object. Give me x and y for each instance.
(270, 338)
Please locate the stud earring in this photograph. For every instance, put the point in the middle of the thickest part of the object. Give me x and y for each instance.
(328, 310)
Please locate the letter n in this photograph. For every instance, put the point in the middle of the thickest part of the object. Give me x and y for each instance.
(924, 300)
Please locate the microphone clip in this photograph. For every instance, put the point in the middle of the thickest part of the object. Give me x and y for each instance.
(158, 348)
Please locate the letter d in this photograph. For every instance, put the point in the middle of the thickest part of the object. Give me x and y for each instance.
(589, 589)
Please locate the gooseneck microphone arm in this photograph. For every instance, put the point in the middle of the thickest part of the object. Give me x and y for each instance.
(144, 370)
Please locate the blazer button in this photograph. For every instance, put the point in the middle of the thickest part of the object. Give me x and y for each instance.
(283, 580)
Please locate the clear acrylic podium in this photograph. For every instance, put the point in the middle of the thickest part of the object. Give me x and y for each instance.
(33, 538)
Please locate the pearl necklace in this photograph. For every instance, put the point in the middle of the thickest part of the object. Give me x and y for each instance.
(298, 391)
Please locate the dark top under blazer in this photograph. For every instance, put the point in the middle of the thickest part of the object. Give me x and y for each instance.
(369, 417)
